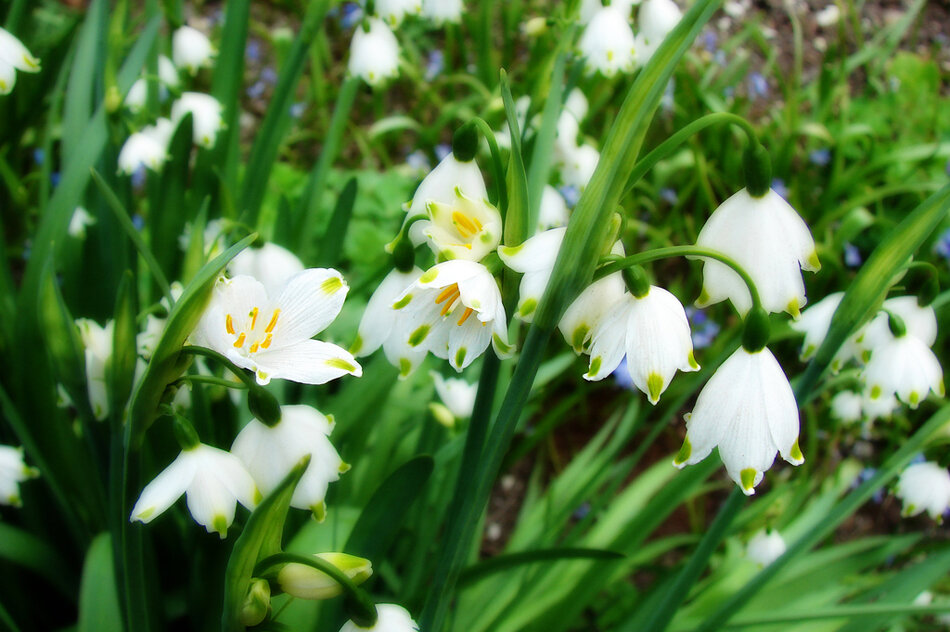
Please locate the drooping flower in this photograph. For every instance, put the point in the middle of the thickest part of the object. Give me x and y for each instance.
(306, 582)
(137, 95)
(553, 211)
(770, 241)
(919, 321)
(147, 148)
(607, 43)
(747, 408)
(442, 11)
(191, 49)
(846, 407)
(270, 453)
(272, 336)
(13, 471)
(458, 399)
(393, 11)
(578, 166)
(765, 547)
(882, 406)
(78, 223)
(14, 56)
(212, 480)
(440, 304)
(925, 487)
(653, 332)
(379, 325)
(815, 322)
(97, 341)
(374, 53)
(206, 116)
(656, 19)
(391, 618)
(906, 367)
(270, 264)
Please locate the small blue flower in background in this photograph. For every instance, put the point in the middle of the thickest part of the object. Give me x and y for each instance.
(256, 90)
(942, 245)
(442, 150)
(419, 162)
(758, 86)
(434, 64)
(253, 50)
(571, 194)
(666, 101)
(820, 157)
(669, 196)
(39, 156)
(138, 177)
(297, 109)
(866, 475)
(710, 41)
(269, 75)
(852, 256)
(54, 178)
(352, 14)
(720, 57)
(918, 458)
(702, 330)
(622, 375)
(138, 221)
(778, 185)
(582, 511)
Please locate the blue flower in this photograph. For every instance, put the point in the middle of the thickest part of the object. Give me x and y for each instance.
(820, 157)
(434, 64)
(442, 150)
(352, 14)
(852, 256)
(571, 194)
(778, 185)
(253, 50)
(758, 86)
(669, 196)
(622, 376)
(702, 330)
(942, 245)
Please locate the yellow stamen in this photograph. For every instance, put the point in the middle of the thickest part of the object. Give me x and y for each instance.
(447, 292)
(240, 341)
(273, 322)
(467, 226)
(447, 308)
(465, 315)
(253, 316)
(267, 341)
(229, 324)
(253, 348)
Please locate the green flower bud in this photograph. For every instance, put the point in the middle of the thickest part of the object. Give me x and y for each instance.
(256, 603)
(636, 279)
(185, 433)
(307, 582)
(263, 405)
(465, 142)
(757, 330)
(758, 170)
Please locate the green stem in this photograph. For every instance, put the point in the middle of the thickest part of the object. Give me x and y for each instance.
(843, 612)
(210, 379)
(249, 382)
(498, 165)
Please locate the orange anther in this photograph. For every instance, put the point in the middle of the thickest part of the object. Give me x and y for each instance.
(229, 324)
(273, 322)
(240, 340)
(465, 315)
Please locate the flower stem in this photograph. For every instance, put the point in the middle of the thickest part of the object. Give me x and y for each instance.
(498, 165)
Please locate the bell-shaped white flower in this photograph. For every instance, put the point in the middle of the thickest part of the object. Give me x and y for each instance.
(765, 547)
(13, 471)
(440, 306)
(578, 166)
(553, 211)
(270, 264)
(206, 118)
(747, 408)
(272, 336)
(920, 322)
(465, 228)
(881, 406)
(191, 49)
(906, 367)
(441, 185)
(607, 43)
(138, 93)
(846, 406)
(168, 72)
(770, 241)
(814, 324)
(97, 341)
(147, 148)
(270, 453)
(442, 11)
(576, 104)
(78, 223)
(458, 398)
(924, 487)
(14, 56)
(656, 19)
(374, 53)
(306, 582)
(212, 480)
(379, 325)
(391, 618)
(393, 11)
(653, 332)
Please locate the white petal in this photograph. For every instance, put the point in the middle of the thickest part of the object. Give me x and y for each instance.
(166, 488)
(609, 341)
(15, 54)
(309, 302)
(376, 326)
(536, 254)
(307, 361)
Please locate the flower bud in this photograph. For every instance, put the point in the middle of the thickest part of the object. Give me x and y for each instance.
(758, 170)
(306, 582)
(256, 603)
(465, 142)
(757, 330)
(263, 405)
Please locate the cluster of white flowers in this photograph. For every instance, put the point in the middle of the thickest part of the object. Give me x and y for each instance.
(609, 44)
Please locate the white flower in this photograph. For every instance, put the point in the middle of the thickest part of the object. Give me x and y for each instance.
(553, 211)
(440, 304)
(441, 184)
(920, 322)
(584, 314)
(147, 148)
(191, 49)
(270, 264)
(846, 406)
(78, 223)
(168, 76)
(828, 16)
(206, 116)
(465, 228)
(656, 19)
(906, 367)
(374, 54)
(765, 547)
(168, 72)
(815, 322)
(212, 479)
(578, 166)
(380, 325)
(607, 43)
(925, 487)
(14, 56)
(442, 11)
(653, 331)
(576, 104)
(98, 344)
(272, 336)
(770, 241)
(306, 582)
(458, 398)
(393, 11)
(391, 618)
(882, 406)
(271, 453)
(748, 409)
(13, 471)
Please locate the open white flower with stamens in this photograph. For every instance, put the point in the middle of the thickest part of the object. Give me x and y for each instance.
(924, 487)
(272, 336)
(393, 11)
(391, 618)
(14, 56)
(442, 11)
(270, 453)
(458, 399)
(381, 327)
(270, 264)
(747, 408)
(553, 213)
(770, 241)
(206, 117)
(441, 185)
(465, 228)
(374, 53)
(906, 367)
(656, 19)
(607, 43)
(212, 480)
(97, 341)
(653, 332)
(455, 310)
(920, 322)
(191, 49)
(13, 471)
(765, 547)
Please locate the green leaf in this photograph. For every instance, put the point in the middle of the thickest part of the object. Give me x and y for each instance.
(517, 213)
(63, 342)
(26, 550)
(98, 599)
(86, 72)
(331, 246)
(170, 214)
(502, 563)
(260, 538)
(120, 370)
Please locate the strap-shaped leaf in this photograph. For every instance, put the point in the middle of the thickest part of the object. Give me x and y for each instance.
(99, 609)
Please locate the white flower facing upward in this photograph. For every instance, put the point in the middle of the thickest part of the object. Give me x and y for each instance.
(374, 53)
(466, 228)
(924, 487)
(270, 453)
(439, 308)
(97, 341)
(146, 148)
(206, 118)
(270, 264)
(770, 241)
(14, 56)
(212, 480)
(656, 19)
(13, 471)
(442, 11)
(380, 327)
(393, 11)
(272, 336)
(607, 43)
(906, 367)
(391, 618)
(191, 49)
(653, 332)
(458, 399)
(765, 547)
(442, 185)
(747, 408)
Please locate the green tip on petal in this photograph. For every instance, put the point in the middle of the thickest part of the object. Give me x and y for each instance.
(145, 514)
(655, 387)
(793, 309)
(579, 337)
(319, 511)
(941, 391)
(416, 337)
(691, 359)
(683, 455)
(510, 251)
(402, 302)
(220, 524)
(429, 275)
(908, 510)
(501, 345)
(331, 285)
(814, 264)
(747, 476)
(527, 307)
(703, 299)
(594, 367)
(875, 391)
(809, 350)
(796, 453)
(339, 363)
(913, 399)
(866, 356)
(405, 367)
(257, 496)
(357, 345)
(460, 356)
(344, 467)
